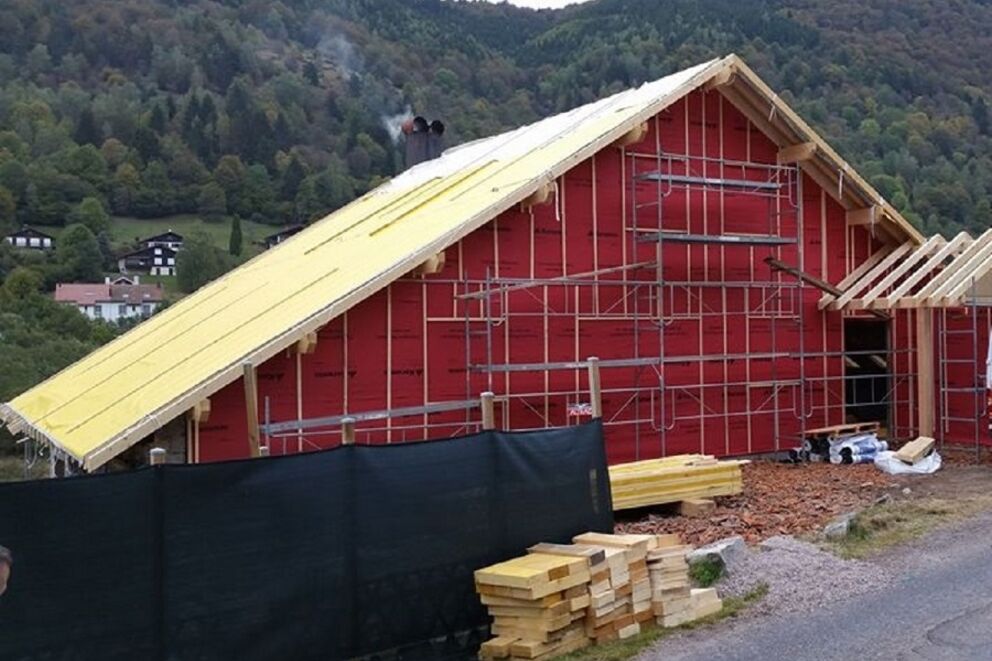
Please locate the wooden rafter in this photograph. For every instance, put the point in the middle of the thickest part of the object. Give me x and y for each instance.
(953, 247)
(820, 284)
(936, 285)
(865, 281)
(905, 266)
(961, 271)
(855, 275)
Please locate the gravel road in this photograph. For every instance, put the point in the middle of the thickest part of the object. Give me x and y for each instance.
(931, 599)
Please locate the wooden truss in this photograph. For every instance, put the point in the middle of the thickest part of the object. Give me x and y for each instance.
(937, 274)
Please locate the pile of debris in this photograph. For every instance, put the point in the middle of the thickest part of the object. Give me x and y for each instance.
(562, 597)
(778, 499)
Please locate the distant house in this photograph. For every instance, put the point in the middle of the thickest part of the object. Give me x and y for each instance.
(171, 240)
(154, 260)
(27, 237)
(280, 236)
(111, 300)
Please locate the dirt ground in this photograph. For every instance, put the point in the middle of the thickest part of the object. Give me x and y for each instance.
(797, 499)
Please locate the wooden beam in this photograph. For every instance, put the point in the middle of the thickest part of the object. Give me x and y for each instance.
(865, 281)
(822, 285)
(933, 243)
(948, 276)
(722, 78)
(433, 264)
(307, 344)
(595, 388)
(797, 153)
(633, 136)
(347, 431)
(156, 456)
(856, 274)
(488, 411)
(201, 411)
(952, 247)
(251, 409)
(924, 372)
(867, 216)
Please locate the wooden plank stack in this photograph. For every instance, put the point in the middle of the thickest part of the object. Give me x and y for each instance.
(673, 479)
(916, 450)
(704, 602)
(602, 587)
(670, 586)
(620, 600)
(538, 604)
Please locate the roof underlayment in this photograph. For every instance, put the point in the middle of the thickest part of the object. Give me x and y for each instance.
(110, 400)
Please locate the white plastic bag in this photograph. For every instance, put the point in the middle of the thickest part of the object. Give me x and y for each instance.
(886, 462)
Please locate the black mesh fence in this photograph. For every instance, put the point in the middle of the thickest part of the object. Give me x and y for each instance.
(358, 551)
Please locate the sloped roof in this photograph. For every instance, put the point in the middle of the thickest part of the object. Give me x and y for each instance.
(114, 397)
(82, 293)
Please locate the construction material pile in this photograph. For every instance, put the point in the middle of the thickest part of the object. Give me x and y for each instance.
(916, 457)
(859, 448)
(673, 479)
(563, 597)
(538, 604)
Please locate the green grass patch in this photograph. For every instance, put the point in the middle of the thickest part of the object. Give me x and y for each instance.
(706, 572)
(889, 524)
(126, 230)
(627, 649)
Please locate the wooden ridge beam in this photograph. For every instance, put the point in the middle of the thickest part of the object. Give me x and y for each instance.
(951, 248)
(854, 275)
(796, 153)
(947, 275)
(933, 243)
(869, 277)
(722, 78)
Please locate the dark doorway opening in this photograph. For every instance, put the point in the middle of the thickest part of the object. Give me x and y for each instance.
(868, 380)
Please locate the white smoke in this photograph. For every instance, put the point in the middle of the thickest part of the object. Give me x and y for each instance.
(336, 48)
(394, 123)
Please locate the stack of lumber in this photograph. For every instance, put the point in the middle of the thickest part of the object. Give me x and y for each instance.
(620, 594)
(670, 586)
(704, 602)
(916, 450)
(538, 605)
(673, 479)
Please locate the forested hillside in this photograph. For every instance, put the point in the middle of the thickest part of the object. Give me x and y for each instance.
(280, 111)
(257, 113)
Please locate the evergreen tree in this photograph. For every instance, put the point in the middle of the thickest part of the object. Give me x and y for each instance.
(234, 244)
(157, 120)
(291, 179)
(87, 132)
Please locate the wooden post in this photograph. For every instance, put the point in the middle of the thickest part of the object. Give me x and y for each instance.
(348, 431)
(924, 371)
(264, 451)
(156, 456)
(488, 413)
(595, 389)
(251, 409)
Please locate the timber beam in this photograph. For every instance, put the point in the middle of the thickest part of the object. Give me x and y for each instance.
(822, 285)
(797, 153)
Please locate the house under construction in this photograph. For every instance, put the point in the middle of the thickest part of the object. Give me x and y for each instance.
(738, 282)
